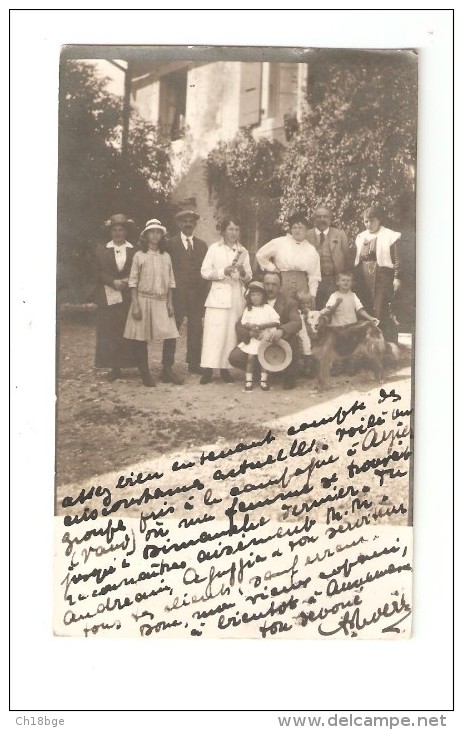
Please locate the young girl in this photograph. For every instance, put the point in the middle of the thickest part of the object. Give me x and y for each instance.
(260, 318)
(151, 282)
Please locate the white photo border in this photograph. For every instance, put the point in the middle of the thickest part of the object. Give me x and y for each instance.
(61, 675)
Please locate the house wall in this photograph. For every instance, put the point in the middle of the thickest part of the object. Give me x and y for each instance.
(211, 116)
(221, 97)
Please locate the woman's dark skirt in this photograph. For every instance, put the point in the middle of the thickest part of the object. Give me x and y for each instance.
(112, 350)
(377, 299)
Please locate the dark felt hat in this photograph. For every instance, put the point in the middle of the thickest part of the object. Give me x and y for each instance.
(187, 213)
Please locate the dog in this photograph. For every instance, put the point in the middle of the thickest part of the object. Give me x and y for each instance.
(330, 343)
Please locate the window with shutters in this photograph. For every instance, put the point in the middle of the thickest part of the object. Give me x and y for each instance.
(250, 94)
(172, 103)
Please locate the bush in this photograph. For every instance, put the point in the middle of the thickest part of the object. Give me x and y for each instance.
(354, 145)
(94, 180)
(356, 141)
(242, 175)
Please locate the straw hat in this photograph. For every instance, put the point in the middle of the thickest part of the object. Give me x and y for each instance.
(153, 225)
(255, 285)
(119, 219)
(274, 356)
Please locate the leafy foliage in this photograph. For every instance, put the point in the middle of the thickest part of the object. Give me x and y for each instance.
(356, 142)
(242, 175)
(95, 180)
(355, 145)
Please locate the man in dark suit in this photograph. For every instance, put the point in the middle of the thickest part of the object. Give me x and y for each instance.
(335, 254)
(290, 324)
(187, 253)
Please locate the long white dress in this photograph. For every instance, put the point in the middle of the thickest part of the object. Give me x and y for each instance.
(224, 304)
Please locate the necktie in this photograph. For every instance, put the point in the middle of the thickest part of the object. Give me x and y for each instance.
(322, 238)
(190, 245)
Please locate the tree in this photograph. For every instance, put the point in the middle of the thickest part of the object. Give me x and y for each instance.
(242, 176)
(354, 145)
(93, 179)
(356, 141)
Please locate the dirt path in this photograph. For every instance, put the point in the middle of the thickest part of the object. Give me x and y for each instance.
(106, 427)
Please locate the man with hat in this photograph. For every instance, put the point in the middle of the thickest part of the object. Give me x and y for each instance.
(187, 253)
(290, 324)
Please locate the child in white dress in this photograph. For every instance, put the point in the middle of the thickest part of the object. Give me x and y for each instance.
(261, 320)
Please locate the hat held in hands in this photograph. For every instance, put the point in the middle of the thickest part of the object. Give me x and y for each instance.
(274, 356)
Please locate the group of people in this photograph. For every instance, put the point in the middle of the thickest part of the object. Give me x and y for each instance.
(146, 293)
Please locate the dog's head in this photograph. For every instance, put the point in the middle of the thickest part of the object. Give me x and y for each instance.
(315, 323)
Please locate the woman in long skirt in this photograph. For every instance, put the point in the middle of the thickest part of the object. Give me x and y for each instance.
(377, 269)
(113, 264)
(228, 267)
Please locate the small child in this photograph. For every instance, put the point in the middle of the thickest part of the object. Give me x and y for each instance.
(304, 302)
(344, 306)
(261, 320)
(151, 282)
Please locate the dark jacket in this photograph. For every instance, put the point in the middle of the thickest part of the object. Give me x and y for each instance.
(188, 274)
(107, 271)
(290, 319)
(342, 254)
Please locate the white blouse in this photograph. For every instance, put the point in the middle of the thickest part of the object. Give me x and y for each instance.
(120, 253)
(218, 257)
(385, 238)
(286, 254)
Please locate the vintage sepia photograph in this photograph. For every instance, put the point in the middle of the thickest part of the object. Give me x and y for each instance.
(230, 368)
(235, 342)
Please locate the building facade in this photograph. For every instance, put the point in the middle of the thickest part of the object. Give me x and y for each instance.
(201, 104)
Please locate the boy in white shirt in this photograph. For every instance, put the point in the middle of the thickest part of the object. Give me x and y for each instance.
(344, 306)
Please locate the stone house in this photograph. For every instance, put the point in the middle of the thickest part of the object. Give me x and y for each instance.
(201, 104)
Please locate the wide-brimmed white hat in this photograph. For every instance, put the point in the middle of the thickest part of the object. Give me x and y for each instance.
(274, 356)
(153, 225)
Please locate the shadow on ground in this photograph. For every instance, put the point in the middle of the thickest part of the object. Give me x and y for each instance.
(106, 426)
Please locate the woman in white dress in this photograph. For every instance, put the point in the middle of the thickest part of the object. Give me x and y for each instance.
(227, 266)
